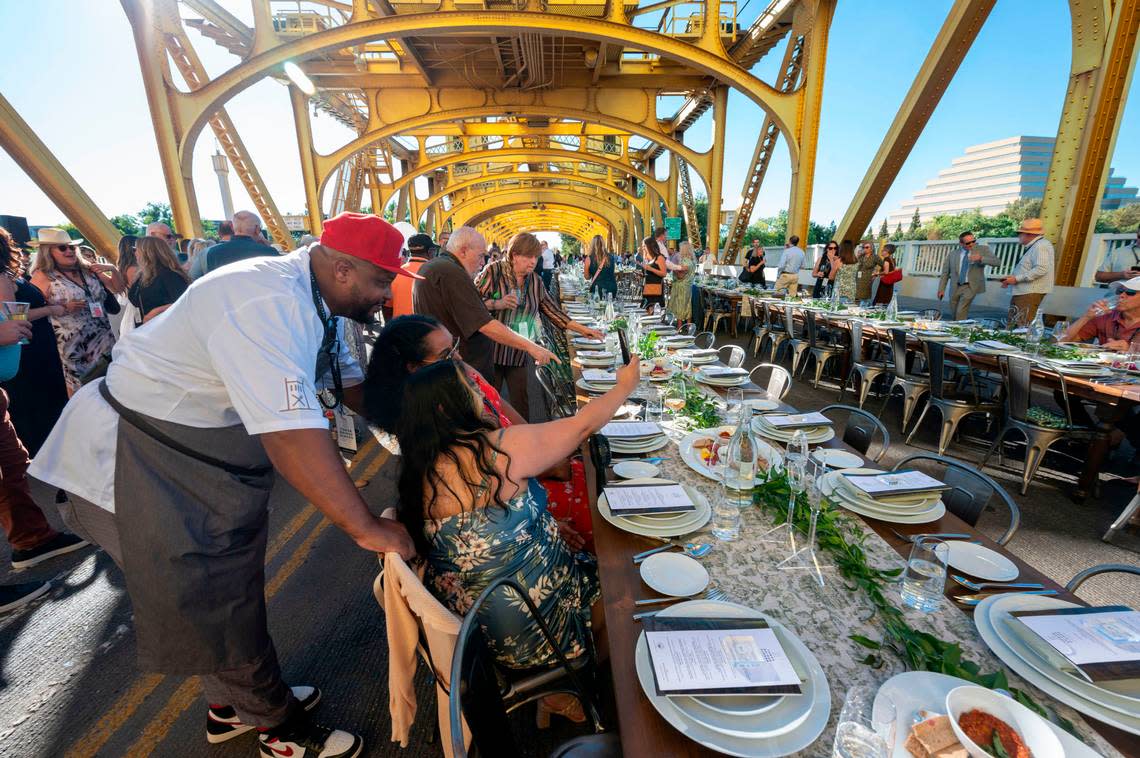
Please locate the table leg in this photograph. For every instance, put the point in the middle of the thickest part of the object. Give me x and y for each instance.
(1107, 418)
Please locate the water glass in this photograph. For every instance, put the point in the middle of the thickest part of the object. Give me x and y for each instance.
(1059, 329)
(655, 406)
(924, 579)
(733, 400)
(864, 731)
(16, 311)
(726, 518)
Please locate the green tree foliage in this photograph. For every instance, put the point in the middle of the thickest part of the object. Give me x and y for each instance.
(884, 230)
(570, 245)
(153, 212)
(1123, 220)
(127, 224)
(898, 235)
(915, 222)
(209, 228)
(1026, 207)
(72, 231)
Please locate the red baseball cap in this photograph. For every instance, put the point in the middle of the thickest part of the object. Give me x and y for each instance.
(367, 237)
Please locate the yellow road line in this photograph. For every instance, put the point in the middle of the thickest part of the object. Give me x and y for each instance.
(372, 468)
(125, 706)
(156, 730)
(114, 718)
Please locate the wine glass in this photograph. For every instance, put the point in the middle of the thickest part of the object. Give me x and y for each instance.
(1059, 330)
(865, 731)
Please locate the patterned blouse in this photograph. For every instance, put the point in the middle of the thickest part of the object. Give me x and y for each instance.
(495, 282)
(82, 338)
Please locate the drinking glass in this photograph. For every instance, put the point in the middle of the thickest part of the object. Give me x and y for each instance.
(924, 578)
(726, 518)
(864, 731)
(17, 312)
(734, 399)
(1059, 330)
(655, 406)
(675, 396)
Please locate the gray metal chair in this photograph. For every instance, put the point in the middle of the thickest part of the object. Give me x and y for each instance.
(797, 335)
(952, 407)
(777, 331)
(913, 386)
(704, 340)
(970, 490)
(823, 344)
(1018, 375)
(734, 358)
(1105, 568)
(779, 381)
(863, 364)
(860, 429)
(688, 329)
(760, 326)
(1125, 516)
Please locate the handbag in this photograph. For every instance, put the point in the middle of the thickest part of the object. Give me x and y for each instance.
(894, 276)
(652, 289)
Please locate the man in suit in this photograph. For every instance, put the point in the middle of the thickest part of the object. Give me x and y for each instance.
(966, 268)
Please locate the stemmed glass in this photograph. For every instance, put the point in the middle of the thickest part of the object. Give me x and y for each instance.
(864, 730)
(805, 557)
(1059, 330)
(796, 471)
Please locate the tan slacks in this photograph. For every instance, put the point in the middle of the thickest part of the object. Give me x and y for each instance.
(789, 282)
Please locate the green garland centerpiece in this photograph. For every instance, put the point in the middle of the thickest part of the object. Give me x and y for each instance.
(619, 323)
(647, 346)
(1044, 349)
(919, 651)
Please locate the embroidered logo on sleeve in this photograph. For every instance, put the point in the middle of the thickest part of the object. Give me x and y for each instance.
(297, 396)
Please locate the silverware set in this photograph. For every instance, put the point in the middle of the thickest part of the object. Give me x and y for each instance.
(712, 593)
(972, 600)
(691, 549)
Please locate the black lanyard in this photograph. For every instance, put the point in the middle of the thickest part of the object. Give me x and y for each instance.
(330, 345)
(82, 281)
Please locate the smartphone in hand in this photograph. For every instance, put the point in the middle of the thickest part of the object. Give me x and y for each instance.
(624, 347)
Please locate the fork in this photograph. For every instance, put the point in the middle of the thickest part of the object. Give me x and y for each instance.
(975, 586)
(712, 594)
(946, 536)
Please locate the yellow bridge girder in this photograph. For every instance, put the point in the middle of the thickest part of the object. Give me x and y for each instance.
(477, 210)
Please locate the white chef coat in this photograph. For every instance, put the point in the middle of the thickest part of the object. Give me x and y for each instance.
(239, 347)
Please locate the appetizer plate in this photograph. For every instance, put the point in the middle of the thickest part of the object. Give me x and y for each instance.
(635, 470)
(979, 561)
(674, 574)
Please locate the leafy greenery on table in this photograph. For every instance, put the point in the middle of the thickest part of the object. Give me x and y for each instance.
(919, 651)
(647, 346)
(1045, 349)
(873, 316)
(700, 411)
(618, 323)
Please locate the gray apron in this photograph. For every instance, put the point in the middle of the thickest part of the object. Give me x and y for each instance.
(193, 532)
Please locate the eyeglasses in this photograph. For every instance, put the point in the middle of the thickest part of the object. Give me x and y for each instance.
(832, 247)
(450, 351)
(170, 236)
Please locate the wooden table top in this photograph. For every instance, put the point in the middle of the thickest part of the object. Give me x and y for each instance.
(643, 731)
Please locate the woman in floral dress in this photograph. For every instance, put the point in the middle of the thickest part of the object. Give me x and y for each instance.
(681, 294)
(83, 333)
(469, 500)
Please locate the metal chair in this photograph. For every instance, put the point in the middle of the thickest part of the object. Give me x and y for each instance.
(485, 693)
(779, 379)
(777, 331)
(913, 386)
(688, 330)
(1125, 516)
(860, 429)
(558, 393)
(1104, 568)
(714, 308)
(866, 368)
(797, 340)
(735, 356)
(823, 345)
(704, 340)
(761, 326)
(1018, 375)
(952, 409)
(931, 314)
(970, 490)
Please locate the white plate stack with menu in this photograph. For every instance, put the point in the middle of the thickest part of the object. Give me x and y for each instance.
(888, 503)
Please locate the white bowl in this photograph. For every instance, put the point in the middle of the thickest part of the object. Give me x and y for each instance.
(1036, 734)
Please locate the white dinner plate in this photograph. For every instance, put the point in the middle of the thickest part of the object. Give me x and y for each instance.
(979, 561)
(983, 618)
(1045, 660)
(639, 447)
(594, 389)
(635, 469)
(728, 381)
(915, 691)
(694, 519)
(662, 377)
(827, 487)
(588, 341)
(768, 741)
(815, 435)
(836, 458)
(693, 460)
(760, 404)
(674, 574)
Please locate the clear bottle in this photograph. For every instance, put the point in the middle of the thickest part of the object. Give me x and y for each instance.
(1034, 333)
(609, 308)
(834, 298)
(742, 452)
(893, 308)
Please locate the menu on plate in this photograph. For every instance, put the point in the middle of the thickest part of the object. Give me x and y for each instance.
(640, 499)
(895, 482)
(718, 656)
(724, 371)
(588, 341)
(796, 420)
(631, 429)
(1102, 643)
(697, 351)
(595, 354)
(597, 376)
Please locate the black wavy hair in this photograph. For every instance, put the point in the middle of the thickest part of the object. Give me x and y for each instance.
(400, 342)
(440, 419)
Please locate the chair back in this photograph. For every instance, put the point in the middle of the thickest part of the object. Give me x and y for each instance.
(789, 322)
(970, 489)
(810, 327)
(779, 381)
(1017, 372)
(856, 327)
(1104, 568)
(935, 363)
(861, 429)
(898, 353)
(735, 356)
(688, 329)
(704, 340)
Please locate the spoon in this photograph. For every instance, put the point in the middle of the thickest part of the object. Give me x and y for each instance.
(691, 549)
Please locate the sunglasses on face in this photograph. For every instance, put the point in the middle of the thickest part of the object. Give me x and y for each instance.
(832, 247)
(65, 248)
(1129, 293)
(968, 243)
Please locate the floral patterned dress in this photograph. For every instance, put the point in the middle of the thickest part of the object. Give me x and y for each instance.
(470, 550)
(82, 338)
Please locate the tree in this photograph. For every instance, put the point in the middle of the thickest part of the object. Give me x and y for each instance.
(570, 245)
(898, 235)
(72, 231)
(127, 225)
(884, 230)
(209, 228)
(819, 234)
(915, 222)
(1023, 208)
(155, 212)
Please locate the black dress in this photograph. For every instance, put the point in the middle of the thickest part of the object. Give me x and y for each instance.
(166, 287)
(38, 391)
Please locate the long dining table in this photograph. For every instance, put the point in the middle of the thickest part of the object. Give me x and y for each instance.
(823, 618)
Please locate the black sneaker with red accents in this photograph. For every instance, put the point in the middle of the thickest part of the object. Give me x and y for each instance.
(223, 724)
(299, 737)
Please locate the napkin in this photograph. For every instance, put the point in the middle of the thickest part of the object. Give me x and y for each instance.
(796, 420)
(631, 429)
(595, 354)
(723, 371)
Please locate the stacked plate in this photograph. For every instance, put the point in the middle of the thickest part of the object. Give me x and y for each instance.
(816, 435)
(694, 443)
(595, 358)
(720, 376)
(699, 356)
(1088, 369)
(643, 444)
(934, 335)
(1045, 669)
(754, 726)
(914, 508)
(594, 389)
(676, 341)
(993, 347)
(587, 342)
(660, 524)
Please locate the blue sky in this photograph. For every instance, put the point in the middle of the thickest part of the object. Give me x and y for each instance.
(84, 97)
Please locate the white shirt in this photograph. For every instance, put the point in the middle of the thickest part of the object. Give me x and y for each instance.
(239, 347)
(547, 259)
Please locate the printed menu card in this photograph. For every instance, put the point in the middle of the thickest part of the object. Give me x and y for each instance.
(631, 429)
(718, 656)
(642, 499)
(894, 482)
(1102, 643)
(796, 420)
(598, 376)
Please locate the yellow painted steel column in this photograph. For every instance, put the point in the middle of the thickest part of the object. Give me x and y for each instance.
(958, 32)
(716, 172)
(33, 156)
(671, 208)
(1086, 137)
(153, 66)
(304, 129)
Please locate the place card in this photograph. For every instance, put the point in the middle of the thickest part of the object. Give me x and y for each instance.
(641, 499)
(796, 420)
(598, 376)
(723, 371)
(718, 656)
(1103, 644)
(631, 429)
(894, 482)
